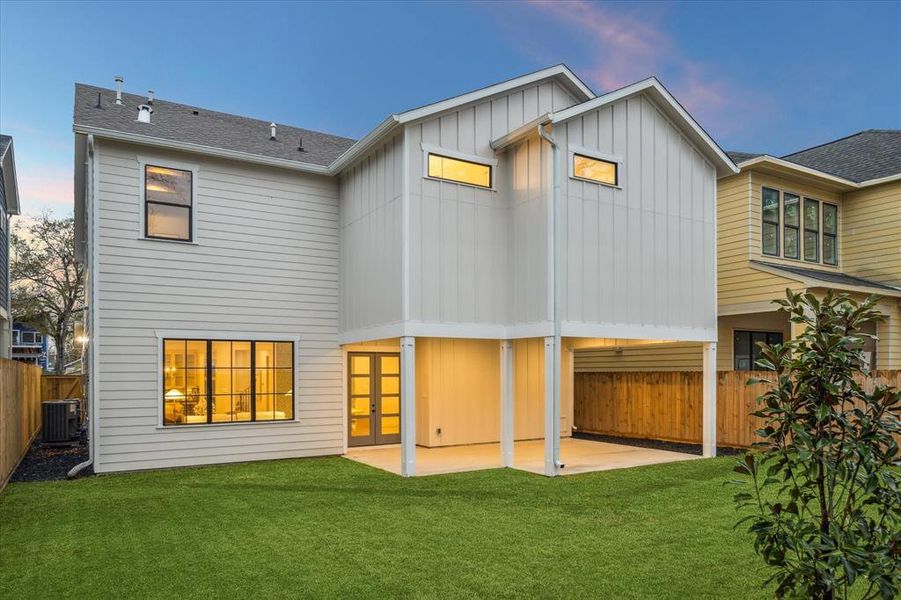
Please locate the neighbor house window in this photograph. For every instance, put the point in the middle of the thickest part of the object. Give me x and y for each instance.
(746, 350)
(227, 381)
(168, 203)
(811, 230)
(770, 214)
(595, 169)
(459, 171)
(830, 234)
(791, 231)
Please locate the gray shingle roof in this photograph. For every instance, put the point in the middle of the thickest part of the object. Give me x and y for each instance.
(183, 123)
(740, 157)
(866, 155)
(5, 141)
(828, 277)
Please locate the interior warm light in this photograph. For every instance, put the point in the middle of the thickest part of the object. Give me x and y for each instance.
(174, 395)
(154, 187)
(163, 171)
(461, 171)
(594, 169)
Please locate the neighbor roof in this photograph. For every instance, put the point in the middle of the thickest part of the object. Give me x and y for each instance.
(829, 278)
(870, 154)
(5, 143)
(8, 168)
(740, 157)
(204, 128)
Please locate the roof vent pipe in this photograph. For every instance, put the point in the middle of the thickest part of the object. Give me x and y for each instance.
(271, 131)
(150, 97)
(144, 112)
(119, 81)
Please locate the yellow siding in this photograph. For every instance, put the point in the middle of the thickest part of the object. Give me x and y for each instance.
(871, 233)
(738, 240)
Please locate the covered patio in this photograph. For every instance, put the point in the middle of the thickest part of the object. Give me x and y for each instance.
(578, 456)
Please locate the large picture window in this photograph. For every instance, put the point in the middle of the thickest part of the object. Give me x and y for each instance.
(227, 381)
(770, 215)
(168, 203)
(746, 351)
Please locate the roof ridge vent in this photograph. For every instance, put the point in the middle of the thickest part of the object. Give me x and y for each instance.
(119, 81)
(272, 128)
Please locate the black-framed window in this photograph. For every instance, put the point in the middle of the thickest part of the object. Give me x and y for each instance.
(811, 230)
(746, 351)
(791, 230)
(770, 217)
(460, 171)
(595, 169)
(168, 203)
(227, 381)
(830, 234)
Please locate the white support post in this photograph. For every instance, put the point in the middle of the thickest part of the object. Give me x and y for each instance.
(408, 406)
(551, 407)
(506, 403)
(709, 425)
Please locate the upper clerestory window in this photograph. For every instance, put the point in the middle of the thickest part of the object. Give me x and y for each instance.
(595, 169)
(459, 171)
(168, 203)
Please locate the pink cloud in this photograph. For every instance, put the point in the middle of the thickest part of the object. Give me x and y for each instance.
(44, 187)
(627, 45)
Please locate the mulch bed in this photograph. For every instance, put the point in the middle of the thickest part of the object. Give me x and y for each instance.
(48, 463)
(654, 444)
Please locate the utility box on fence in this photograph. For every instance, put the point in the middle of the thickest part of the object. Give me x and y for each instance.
(61, 422)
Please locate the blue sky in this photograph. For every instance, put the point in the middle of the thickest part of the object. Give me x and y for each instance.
(767, 77)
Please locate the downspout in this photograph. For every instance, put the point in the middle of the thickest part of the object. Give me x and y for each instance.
(555, 281)
(91, 329)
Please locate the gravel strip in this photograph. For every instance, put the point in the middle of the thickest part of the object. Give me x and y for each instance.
(49, 463)
(654, 444)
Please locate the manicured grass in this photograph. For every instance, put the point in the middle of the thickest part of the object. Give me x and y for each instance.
(331, 527)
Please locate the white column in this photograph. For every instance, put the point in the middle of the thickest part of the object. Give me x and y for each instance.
(709, 426)
(506, 403)
(551, 407)
(408, 406)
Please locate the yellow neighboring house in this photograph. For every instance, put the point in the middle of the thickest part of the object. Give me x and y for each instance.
(828, 217)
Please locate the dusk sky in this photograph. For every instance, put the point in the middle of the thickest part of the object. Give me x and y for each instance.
(762, 77)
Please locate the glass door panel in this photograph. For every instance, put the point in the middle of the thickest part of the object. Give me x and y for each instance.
(373, 390)
(388, 400)
(361, 400)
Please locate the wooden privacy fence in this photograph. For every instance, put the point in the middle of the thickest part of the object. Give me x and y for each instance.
(665, 405)
(20, 413)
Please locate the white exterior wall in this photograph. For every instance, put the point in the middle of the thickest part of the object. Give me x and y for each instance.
(265, 263)
(370, 215)
(461, 237)
(639, 261)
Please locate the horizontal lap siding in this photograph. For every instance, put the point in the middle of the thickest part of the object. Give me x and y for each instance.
(266, 262)
(871, 244)
(371, 238)
(460, 236)
(641, 254)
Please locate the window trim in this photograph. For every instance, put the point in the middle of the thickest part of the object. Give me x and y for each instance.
(797, 227)
(751, 331)
(219, 336)
(818, 231)
(159, 161)
(573, 150)
(777, 223)
(491, 163)
(824, 235)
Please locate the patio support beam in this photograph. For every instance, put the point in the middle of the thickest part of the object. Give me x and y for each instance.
(408, 406)
(708, 435)
(551, 406)
(506, 403)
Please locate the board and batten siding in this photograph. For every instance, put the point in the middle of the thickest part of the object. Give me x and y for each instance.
(871, 233)
(265, 263)
(459, 235)
(371, 223)
(641, 254)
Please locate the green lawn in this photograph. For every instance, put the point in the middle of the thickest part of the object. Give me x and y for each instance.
(331, 527)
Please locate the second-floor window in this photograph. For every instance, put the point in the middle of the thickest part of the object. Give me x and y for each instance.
(459, 171)
(168, 203)
(798, 227)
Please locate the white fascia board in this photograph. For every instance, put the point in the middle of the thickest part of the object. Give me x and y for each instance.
(362, 146)
(779, 162)
(147, 140)
(498, 88)
(724, 164)
(521, 132)
(880, 180)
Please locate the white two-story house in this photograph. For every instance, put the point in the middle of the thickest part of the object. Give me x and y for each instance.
(257, 290)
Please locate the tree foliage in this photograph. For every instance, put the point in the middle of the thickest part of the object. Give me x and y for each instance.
(825, 508)
(47, 281)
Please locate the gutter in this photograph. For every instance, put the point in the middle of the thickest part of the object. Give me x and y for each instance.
(555, 284)
(91, 386)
